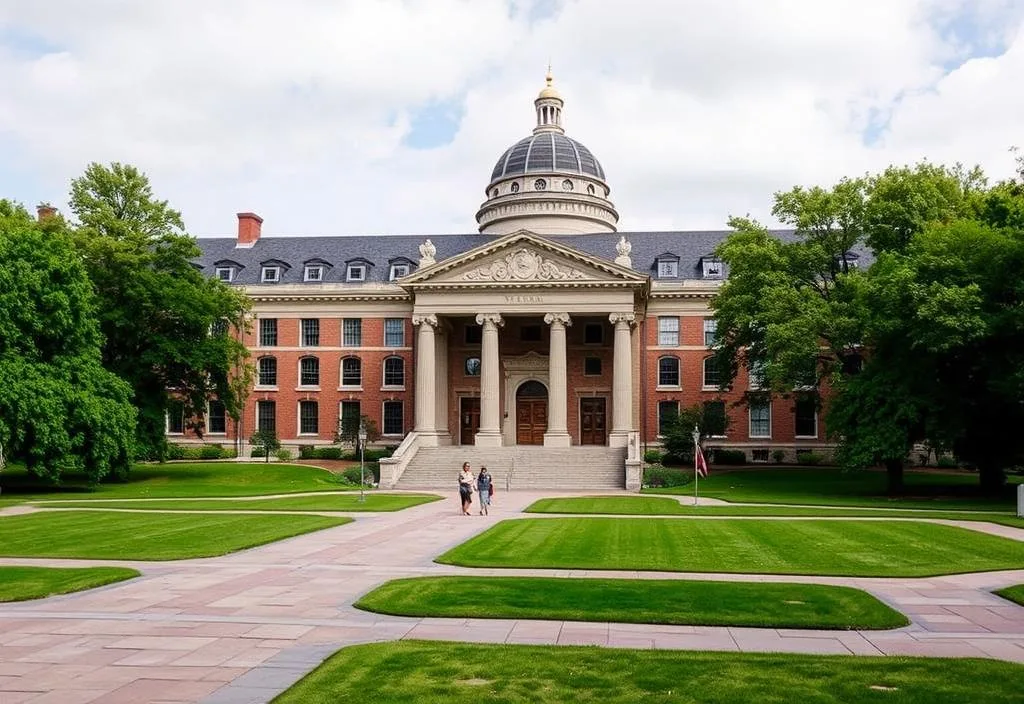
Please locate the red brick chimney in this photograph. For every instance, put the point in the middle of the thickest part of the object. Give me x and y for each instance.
(45, 210)
(248, 229)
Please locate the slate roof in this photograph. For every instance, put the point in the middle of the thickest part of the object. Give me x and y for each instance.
(381, 250)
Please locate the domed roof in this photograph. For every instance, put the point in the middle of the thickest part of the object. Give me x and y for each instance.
(547, 151)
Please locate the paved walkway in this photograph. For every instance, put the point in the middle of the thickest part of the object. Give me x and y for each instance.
(244, 627)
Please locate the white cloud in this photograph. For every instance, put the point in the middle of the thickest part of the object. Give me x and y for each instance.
(298, 110)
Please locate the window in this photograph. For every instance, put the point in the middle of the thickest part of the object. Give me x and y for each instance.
(355, 272)
(668, 269)
(806, 417)
(756, 374)
(472, 366)
(394, 371)
(668, 332)
(394, 332)
(530, 333)
(592, 366)
(714, 418)
(567, 185)
(668, 411)
(313, 273)
(593, 334)
(398, 271)
(309, 371)
(712, 375)
(310, 332)
(175, 418)
(760, 419)
(711, 268)
(226, 273)
(540, 184)
(394, 422)
(216, 418)
(219, 328)
(268, 332)
(351, 371)
(350, 415)
(271, 274)
(759, 455)
(267, 371)
(590, 189)
(474, 333)
(668, 371)
(514, 188)
(309, 418)
(352, 332)
(266, 416)
(710, 330)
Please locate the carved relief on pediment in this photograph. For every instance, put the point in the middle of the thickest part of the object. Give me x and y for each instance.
(524, 264)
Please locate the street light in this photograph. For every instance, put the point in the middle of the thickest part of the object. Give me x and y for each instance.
(696, 448)
(362, 465)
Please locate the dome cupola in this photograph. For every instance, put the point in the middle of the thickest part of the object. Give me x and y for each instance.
(547, 183)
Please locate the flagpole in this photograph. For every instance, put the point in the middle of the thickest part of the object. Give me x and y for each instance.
(696, 449)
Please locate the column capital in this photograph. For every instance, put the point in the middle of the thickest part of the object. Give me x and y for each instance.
(425, 319)
(628, 318)
(561, 318)
(493, 318)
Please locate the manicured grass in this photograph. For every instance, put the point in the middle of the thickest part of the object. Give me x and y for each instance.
(321, 502)
(180, 480)
(665, 506)
(678, 602)
(146, 536)
(460, 673)
(1014, 594)
(23, 583)
(833, 486)
(845, 548)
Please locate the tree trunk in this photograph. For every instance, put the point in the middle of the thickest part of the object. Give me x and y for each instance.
(894, 473)
(992, 477)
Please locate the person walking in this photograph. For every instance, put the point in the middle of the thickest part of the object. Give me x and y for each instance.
(485, 488)
(466, 488)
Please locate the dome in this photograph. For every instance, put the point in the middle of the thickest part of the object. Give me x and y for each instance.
(547, 152)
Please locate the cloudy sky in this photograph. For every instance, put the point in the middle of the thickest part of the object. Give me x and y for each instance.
(386, 116)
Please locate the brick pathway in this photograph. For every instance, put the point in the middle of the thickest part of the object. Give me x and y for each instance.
(244, 627)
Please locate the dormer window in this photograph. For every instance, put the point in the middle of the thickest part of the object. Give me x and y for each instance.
(313, 273)
(668, 269)
(711, 267)
(226, 273)
(270, 274)
(356, 272)
(398, 271)
(850, 259)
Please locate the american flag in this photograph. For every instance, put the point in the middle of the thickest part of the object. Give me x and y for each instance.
(702, 465)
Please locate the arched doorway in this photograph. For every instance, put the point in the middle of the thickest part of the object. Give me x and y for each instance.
(531, 413)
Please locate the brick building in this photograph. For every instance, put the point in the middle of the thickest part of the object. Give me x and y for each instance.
(548, 328)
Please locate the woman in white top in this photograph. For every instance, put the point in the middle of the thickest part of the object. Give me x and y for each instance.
(466, 488)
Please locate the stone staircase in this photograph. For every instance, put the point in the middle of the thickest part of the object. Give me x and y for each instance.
(578, 468)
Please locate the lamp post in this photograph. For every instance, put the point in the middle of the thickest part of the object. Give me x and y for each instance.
(696, 449)
(362, 465)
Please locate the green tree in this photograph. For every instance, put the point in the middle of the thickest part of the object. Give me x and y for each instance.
(167, 327)
(60, 410)
(348, 430)
(677, 439)
(267, 441)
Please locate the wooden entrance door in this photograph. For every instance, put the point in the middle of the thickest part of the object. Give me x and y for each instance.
(531, 413)
(469, 420)
(592, 422)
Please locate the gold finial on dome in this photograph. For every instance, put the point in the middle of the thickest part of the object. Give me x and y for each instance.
(549, 90)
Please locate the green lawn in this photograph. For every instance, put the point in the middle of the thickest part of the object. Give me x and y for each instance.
(424, 671)
(1014, 594)
(833, 486)
(670, 506)
(146, 536)
(321, 502)
(179, 480)
(23, 583)
(678, 602)
(844, 548)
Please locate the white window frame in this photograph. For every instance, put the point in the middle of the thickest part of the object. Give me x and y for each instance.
(668, 269)
(314, 273)
(298, 418)
(359, 332)
(277, 372)
(755, 373)
(270, 275)
(401, 322)
(206, 422)
(302, 333)
(229, 270)
(256, 412)
(705, 386)
(383, 374)
(383, 417)
(167, 423)
(664, 323)
(679, 373)
(710, 326)
(750, 421)
(711, 268)
(319, 372)
(341, 378)
(806, 437)
(350, 273)
(398, 271)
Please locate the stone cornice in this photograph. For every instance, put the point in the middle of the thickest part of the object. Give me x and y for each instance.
(308, 294)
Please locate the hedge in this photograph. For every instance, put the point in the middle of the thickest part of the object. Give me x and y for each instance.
(199, 452)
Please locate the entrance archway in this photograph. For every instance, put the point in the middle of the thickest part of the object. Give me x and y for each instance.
(531, 413)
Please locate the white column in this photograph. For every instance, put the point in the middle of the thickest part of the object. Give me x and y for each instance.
(558, 426)
(490, 428)
(441, 379)
(622, 380)
(426, 366)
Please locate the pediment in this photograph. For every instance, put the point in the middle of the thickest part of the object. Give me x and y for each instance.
(523, 259)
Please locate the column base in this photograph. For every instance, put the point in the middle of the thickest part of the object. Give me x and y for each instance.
(428, 438)
(618, 438)
(489, 438)
(557, 440)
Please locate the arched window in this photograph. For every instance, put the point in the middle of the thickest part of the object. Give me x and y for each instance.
(267, 369)
(494, 193)
(309, 371)
(514, 188)
(712, 376)
(668, 371)
(394, 371)
(351, 371)
(590, 189)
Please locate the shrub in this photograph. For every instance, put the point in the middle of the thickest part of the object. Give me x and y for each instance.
(779, 456)
(730, 456)
(809, 458)
(371, 472)
(328, 453)
(175, 452)
(671, 459)
(653, 456)
(307, 452)
(663, 476)
(211, 452)
(947, 462)
(283, 454)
